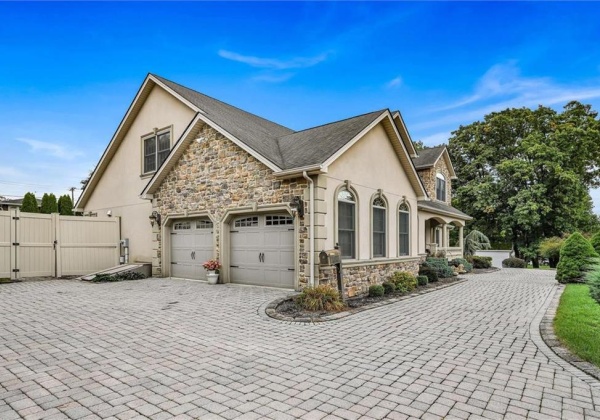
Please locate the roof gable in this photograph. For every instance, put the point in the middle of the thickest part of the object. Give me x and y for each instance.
(428, 157)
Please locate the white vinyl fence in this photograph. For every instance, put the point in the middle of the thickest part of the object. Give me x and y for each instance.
(497, 256)
(33, 245)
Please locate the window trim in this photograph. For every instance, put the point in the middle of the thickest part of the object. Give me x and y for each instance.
(441, 177)
(336, 215)
(154, 134)
(409, 212)
(387, 225)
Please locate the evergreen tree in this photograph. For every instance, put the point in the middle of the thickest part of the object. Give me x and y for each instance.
(595, 241)
(29, 204)
(65, 205)
(576, 257)
(49, 204)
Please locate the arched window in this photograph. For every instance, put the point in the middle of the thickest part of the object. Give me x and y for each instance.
(440, 187)
(404, 229)
(379, 227)
(347, 223)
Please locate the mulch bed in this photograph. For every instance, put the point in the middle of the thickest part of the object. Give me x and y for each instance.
(289, 308)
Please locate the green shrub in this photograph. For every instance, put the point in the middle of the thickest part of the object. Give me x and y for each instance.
(593, 280)
(376, 290)
(466, 264)
(320, 298)
(107, 278)
(576, 256)
(595, 241)
(441, 267)
(29, 204)
(389, 287)
(480, 262)
(430, 273)
(476, 241)
(422, 280)
(65, 205)
(513, 262)
(550, 248)
(49, 204)
(404, 281)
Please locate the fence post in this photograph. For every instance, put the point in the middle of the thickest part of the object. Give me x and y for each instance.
(57, 245)
(14, 249)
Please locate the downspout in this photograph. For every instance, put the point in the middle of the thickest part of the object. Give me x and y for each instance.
(311, 231)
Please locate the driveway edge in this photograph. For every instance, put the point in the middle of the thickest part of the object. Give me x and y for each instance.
(542, 334)
(268, 309)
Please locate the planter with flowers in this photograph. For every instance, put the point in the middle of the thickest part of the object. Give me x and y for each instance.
(212, 267)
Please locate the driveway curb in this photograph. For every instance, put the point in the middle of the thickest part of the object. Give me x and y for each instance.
(269, 309)
(542, 334)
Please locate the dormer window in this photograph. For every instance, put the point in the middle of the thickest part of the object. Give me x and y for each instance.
(156, 148)
(440, 187)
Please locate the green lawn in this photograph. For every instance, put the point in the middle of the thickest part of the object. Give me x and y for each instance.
(577, 322)
(542, 267)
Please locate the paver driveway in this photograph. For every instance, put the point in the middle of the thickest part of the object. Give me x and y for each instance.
(165, 348)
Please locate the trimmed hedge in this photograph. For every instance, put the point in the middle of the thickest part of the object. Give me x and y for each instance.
(376, 290)
(389, 287)
(576, 256)
(404, 281)
(430, 273)
(593, 280)
(422, 280)
(440, 266)
(514, 263)
(480, 262)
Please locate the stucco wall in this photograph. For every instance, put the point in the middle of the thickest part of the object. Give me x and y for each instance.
(119, 188)
(428, 177)
(217, 177)
(370, 165)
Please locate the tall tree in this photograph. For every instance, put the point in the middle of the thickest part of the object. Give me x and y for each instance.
(49, 204)
(65, 205)
(525, 175)
(29, 204)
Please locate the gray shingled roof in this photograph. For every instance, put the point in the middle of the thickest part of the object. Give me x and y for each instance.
(257, 133)
(282, 146)
(316, 145)
(439, 206)
(427, 157)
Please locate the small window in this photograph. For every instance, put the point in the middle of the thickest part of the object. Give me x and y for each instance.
(404, 230)
(440, 187)
(182, 226)
(347, 224)
(279, 220)
(379, 227)
(247, 222)
(156, 149)
(204, 224)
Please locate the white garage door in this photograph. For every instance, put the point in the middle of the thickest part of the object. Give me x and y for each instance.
(262, 250)
(191, 246)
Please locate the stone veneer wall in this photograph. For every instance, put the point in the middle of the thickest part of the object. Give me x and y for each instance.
(216, 175)
(358, 279)
(428, 177)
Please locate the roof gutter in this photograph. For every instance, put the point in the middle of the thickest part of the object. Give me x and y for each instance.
(295, 172)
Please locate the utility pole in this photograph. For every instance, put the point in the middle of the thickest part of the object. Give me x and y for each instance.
(72, 189)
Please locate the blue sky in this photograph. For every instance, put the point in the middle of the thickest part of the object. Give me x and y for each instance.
(68, 71)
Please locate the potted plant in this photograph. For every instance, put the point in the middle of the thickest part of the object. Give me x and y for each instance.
(212, 266)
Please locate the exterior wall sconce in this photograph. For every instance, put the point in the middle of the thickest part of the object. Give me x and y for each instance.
(154, 218)
(297, 205)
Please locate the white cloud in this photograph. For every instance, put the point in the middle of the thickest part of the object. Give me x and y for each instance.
(51, 149)
(395, 82)
(274, 63)
(436, 139)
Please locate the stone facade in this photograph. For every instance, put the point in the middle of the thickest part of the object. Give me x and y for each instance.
(358, 278)
(216, 176)
(428, 177)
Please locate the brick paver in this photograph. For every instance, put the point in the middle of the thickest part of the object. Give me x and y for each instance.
(165, 349)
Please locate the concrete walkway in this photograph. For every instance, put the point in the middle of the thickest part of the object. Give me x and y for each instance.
(178, 349)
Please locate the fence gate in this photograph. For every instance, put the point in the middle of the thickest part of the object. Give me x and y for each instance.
(33, 245)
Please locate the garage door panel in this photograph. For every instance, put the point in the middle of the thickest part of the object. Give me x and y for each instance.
(273, 238)
(182, 270)
(191, 246)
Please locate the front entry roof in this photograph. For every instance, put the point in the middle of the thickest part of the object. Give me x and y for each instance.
(442, 208)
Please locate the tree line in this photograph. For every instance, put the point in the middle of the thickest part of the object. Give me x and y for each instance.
(524, 175)
(63, 206)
